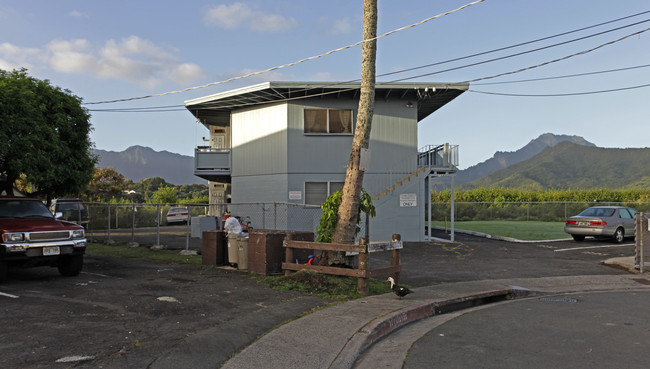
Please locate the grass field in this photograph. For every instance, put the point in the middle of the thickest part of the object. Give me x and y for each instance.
(529, 231)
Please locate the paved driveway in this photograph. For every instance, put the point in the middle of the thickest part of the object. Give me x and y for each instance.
(130, 313)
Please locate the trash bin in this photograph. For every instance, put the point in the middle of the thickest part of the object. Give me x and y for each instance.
(233, 248)
(243, 252)
(213, 248)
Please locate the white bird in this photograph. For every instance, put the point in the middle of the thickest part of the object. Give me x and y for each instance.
(397, 289)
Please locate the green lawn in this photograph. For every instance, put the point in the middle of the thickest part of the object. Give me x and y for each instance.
(520, 230)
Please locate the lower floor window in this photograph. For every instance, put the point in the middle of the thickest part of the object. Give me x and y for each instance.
(317, 192)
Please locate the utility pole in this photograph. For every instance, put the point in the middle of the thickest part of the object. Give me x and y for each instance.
(349, 208)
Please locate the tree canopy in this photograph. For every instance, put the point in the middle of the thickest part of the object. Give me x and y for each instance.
(44, 133)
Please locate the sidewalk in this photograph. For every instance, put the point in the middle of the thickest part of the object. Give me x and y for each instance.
(335, 337)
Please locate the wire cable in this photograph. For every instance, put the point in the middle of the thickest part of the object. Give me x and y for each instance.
(563, 76)
(563, 94)
(289, 64)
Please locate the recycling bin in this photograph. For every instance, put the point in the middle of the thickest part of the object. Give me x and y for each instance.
(242, 263)
(233, 248)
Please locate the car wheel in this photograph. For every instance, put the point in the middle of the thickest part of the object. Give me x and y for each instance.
(577, 237)
(71, 266)
(619, 235)
(4, 271)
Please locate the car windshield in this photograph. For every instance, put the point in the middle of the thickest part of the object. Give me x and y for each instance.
(598, 212)
(67, 206)
(23, 209)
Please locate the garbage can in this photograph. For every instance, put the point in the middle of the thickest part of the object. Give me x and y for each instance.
(213, 248)
(243, 252)
(233, 248)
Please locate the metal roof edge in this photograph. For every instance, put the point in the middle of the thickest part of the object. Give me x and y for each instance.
(464, 86)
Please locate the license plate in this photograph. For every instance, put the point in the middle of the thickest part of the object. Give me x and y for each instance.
(52, 250)
(583, 223)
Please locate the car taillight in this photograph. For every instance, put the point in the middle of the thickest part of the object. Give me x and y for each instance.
(571, 222)
(598, 223)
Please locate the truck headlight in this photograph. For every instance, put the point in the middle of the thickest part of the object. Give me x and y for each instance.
(13, 237)
(78, 233)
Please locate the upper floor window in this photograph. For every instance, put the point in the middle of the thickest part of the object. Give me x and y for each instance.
(328, 121)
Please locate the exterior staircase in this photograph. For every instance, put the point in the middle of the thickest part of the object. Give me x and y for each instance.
(438, 160)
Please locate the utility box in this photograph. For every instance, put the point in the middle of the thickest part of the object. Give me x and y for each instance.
(213, 248)
(266, 251)
(200, 224)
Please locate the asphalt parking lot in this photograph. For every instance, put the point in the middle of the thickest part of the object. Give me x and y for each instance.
(131, 313)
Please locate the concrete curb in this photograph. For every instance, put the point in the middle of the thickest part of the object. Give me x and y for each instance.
(385, 325)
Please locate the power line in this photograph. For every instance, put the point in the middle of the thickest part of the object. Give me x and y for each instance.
(563, 94)
(289, 64)
(563, 76)
(531, 42)
(531, 51)
(404, 79)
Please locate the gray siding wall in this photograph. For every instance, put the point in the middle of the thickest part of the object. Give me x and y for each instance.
(271, 156)
(259, 141)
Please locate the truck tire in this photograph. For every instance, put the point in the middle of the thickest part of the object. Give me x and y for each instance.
(71, 266)
(4, 271)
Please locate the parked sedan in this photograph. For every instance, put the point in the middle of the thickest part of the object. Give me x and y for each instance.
(602, 222)
(178, 214)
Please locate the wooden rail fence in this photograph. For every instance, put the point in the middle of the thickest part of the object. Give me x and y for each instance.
(363, 248)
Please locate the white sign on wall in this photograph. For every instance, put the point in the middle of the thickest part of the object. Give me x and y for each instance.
(408, 200)
(295, 195)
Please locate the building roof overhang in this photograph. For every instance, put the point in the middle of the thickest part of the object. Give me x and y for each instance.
(215, 109)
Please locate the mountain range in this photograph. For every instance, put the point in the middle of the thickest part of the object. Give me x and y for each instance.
(138, 162)
(548, 162)
(571, 166)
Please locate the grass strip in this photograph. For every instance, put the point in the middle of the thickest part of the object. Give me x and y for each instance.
(144, 253)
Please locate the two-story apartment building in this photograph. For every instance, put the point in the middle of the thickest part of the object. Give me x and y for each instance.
(289, 142)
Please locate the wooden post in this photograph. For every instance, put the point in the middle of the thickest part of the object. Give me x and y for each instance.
(363, 282)
(288, 252)
(395, 258)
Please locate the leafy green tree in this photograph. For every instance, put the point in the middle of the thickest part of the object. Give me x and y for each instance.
(327, 225)
(105, 184)
(44, 133)
(165, 195)
(148, 186)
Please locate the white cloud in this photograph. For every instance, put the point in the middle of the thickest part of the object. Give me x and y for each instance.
(132, 59)
(342, 26)
(186, 73)
(239, 15)
(15, 57)
(78, 14)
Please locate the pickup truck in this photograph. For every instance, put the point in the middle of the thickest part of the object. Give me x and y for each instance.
(31, 236)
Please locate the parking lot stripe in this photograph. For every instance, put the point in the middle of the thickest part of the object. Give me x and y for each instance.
(592, 247)
(8, 295)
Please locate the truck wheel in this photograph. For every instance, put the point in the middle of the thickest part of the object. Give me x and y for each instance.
(4, 271)
(71, 266)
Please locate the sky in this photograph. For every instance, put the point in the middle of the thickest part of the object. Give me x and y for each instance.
(574, 71)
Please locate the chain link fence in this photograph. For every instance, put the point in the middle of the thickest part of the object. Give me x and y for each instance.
(146, 223)
(521, 211)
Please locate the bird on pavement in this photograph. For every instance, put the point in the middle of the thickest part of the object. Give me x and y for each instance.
(397, 289)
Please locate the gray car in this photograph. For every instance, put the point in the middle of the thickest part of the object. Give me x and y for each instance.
(602, 222)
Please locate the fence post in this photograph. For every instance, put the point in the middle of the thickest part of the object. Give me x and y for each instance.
(133, 225)
(109, 221)
(187, 230)
(362, 282)
(157, 224)
(288, 252)
(394, 261)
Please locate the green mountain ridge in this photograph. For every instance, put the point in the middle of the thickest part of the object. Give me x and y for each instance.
(572, 166)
